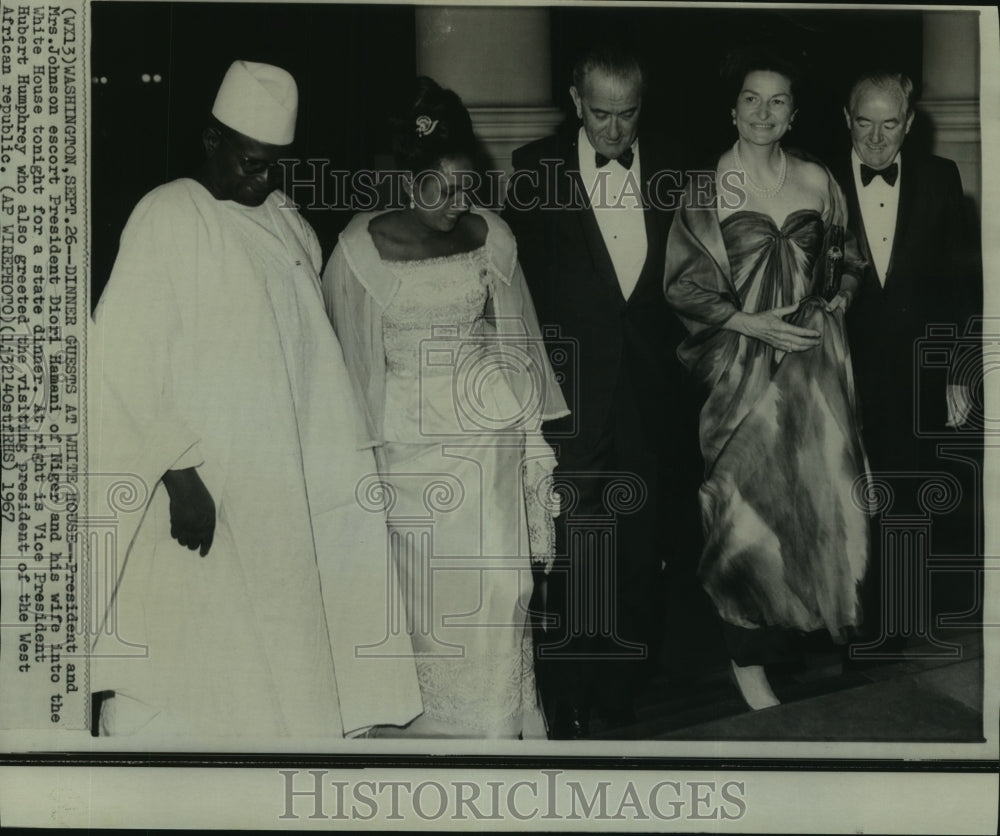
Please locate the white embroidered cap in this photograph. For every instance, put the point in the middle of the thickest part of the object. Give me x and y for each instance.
(259, 101)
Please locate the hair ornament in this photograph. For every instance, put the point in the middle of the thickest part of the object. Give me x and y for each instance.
(426, 125)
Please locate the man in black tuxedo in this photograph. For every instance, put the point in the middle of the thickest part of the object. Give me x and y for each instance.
(908, 213)
(590, 207)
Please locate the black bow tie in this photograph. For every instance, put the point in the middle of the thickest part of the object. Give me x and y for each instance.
(889, 174)
(625, 158)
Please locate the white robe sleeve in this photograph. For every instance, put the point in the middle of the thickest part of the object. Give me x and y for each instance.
(357, 323)
(138, 343)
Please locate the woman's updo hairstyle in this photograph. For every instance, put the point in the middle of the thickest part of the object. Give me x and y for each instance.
(764, 57)
(434, 126)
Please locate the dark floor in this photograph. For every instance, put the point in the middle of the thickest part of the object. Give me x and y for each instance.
(929, 690)
(927, 694)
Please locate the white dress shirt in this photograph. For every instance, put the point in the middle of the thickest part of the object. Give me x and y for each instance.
(879, 204)
(615, 196)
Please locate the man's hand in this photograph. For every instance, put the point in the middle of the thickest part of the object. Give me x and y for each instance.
(192, 509)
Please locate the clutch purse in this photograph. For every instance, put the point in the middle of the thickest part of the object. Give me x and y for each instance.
(830, 265)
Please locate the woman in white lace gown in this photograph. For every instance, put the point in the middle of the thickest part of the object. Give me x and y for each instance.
(442, 342)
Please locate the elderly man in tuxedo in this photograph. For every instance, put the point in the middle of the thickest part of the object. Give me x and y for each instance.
(590, 207)
(908, 212)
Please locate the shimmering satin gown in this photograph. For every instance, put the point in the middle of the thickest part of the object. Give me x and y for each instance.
(457, 521)
(783, 499)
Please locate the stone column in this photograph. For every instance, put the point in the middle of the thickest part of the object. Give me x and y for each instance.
(498, 61)
(951, 92)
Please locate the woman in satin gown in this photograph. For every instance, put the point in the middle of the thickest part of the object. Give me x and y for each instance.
(786, 537)
(442, 342)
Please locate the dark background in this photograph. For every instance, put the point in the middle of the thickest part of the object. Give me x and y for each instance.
(346, 59)
(352, 62)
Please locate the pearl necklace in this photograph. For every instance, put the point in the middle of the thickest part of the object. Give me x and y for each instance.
(756, 189)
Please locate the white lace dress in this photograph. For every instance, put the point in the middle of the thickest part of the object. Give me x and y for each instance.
(458, 523)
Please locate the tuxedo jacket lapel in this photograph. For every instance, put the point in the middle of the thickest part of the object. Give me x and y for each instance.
(854, 211)
(599, 255)
(850, 188)
(604, 268)
(652, 268)
(907, 189)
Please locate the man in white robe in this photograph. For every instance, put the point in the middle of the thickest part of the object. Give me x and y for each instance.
(252, 589)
